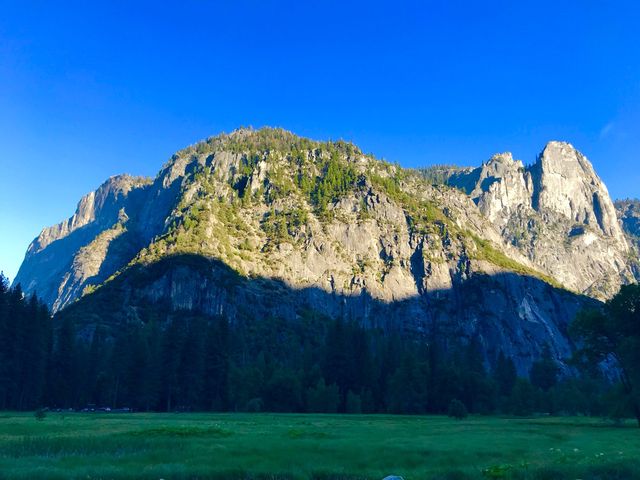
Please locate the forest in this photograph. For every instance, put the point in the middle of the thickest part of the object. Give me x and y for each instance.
(200, 363)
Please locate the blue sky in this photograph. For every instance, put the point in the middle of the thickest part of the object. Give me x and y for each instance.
(92, 89)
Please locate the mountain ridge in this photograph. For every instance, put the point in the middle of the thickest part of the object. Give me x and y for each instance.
(322, 215)
(177, 168)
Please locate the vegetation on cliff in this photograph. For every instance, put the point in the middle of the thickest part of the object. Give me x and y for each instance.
(290, 187)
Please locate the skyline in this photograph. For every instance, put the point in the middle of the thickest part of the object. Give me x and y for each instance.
(87, 92)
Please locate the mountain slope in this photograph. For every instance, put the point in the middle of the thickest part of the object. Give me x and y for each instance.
(269, 203)
(88, 247)
(310, 226)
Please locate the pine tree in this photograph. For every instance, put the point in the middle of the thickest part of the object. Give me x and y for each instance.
(283, 392)
(5, 342)
(192, 365)
(33, 358)
(522, 400)
(408, 386)
(354, 403)
(505, 374)
(544, 372)
(16, 322)
(217, 365)
(64, 366)
(323, 398)
(172, 345)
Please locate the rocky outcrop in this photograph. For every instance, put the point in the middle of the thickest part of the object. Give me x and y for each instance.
(500, 187)
(558, 213)
(564, 182)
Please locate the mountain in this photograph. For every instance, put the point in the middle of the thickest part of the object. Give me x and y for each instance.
(558, 213)
(262, 224)
(88, 247)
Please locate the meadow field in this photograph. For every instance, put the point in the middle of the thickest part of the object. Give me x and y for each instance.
(290, 446)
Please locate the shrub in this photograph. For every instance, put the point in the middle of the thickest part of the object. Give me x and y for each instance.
(323, 398)
(354, 403)
(40, 414)
(522, 397)
(254, 405)
(457, 409)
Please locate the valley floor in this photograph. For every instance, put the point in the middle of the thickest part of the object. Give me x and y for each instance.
(289, 446)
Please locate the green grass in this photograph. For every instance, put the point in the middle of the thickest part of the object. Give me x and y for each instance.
(313, 446)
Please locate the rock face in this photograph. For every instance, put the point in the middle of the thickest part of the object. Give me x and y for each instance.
(506, 312)
(564, 182)
(558, 213)
(88, 247)
(628, 212)
(501, 188)
(268, 225)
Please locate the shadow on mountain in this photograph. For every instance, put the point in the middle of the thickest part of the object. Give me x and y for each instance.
(140, 220)
(465, 180)
(54, 259)
(513, 313)
(57, 258)
(120, 251)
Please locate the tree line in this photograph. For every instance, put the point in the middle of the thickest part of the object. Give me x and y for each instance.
(26, 355)
(182, 361)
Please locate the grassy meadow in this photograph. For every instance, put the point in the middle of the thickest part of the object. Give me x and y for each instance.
(289, 446)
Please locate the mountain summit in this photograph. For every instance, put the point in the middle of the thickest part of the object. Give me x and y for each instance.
(558, 213)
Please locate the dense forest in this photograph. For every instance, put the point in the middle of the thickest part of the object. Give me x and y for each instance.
(26, 356)
(198, 363)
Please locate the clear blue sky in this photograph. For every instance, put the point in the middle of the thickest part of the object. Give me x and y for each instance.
(92, 89)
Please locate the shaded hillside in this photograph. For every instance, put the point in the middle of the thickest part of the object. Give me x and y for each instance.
(502, 312)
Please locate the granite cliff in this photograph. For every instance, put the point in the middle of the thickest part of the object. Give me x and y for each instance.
(88, 247)
(556, 212)
(266, 224)
(628, 212)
